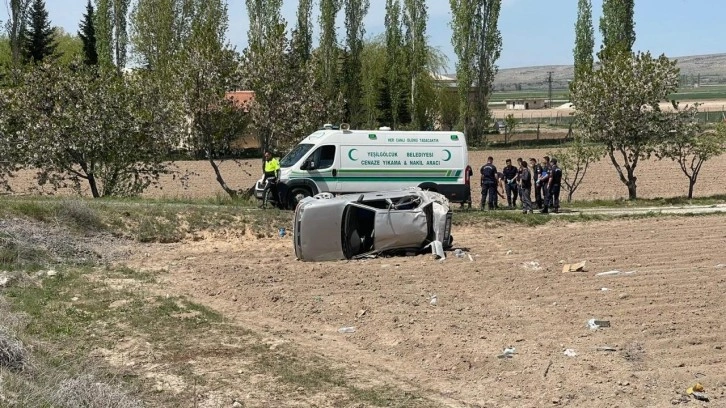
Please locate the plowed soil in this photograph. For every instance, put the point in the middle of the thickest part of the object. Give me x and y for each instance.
(656, 178)
(667, 327)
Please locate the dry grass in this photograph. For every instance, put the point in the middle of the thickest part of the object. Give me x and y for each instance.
(13, 354)
(86, 391)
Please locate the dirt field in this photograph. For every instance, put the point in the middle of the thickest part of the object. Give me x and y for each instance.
(501, 113)
(655, 178)
(667, 327)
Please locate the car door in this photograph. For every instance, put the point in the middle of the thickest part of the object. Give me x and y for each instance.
(400, 229)
(320, 166)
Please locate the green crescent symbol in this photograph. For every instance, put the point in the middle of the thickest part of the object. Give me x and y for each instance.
(449, 153)
(350, 154)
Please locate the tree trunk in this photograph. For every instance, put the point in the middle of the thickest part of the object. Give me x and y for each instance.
(691, 184)
(94, 186)
(632, 194)
(569, 196)
(232, 193)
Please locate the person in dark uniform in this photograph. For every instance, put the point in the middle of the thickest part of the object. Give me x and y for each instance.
(489, 184)
(525, 187)
(468, 173)
(510, 174)
(536, 171)
(543, 182)
(554, 185)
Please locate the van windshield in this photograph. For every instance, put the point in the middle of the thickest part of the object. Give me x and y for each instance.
(295, 154)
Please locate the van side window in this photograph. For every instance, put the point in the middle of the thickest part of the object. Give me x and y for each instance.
(324, 157)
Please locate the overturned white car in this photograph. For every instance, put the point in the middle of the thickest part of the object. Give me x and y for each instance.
(357, 225)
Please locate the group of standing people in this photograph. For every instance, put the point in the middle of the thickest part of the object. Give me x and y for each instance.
(517, 182)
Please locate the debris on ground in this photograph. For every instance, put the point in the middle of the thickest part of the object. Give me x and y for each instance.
(570, 353)
(576, 267)
(347, 329)
(719, 266)
(607, 348)
(532, 266)
(615, 273)
(433, 300)
(697, 392)
(595, 324)
(508, 352)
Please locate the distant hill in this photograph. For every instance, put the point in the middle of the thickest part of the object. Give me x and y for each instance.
(711, 68)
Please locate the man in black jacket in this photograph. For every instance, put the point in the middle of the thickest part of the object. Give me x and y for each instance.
(553, 187)
(536, 171)
(525, 188)
(510, 183)
(488, 184)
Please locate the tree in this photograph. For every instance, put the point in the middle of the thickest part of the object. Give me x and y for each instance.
(15, 28)
(68, 47)
(618, 106)
(394, 87)
(690, 146)
(159, 29)
(87, 33)
(39, 38)
(584, 39)
(373, 72)
(448, 108)
(103, 26)
(575, 161)
(511, 124)
(355, 11)
(302, 36)
(328, 48)
(211, 70)
(111, 24)
(617, 26)
(86, 124)
(478, 44)
(120, 31)
(414, 20)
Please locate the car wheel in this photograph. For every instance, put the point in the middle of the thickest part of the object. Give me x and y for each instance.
(449, 243)
(297, 194)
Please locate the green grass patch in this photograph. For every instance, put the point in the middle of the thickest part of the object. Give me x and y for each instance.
(647, 202)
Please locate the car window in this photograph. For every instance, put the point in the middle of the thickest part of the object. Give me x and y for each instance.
(358, 230)
(323, 157)
(295, 155)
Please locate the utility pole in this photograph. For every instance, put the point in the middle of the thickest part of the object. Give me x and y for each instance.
(549, 82)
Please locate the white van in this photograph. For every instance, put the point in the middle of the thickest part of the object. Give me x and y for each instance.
(342, 161)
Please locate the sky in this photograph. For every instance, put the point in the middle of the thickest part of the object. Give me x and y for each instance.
(534, 32)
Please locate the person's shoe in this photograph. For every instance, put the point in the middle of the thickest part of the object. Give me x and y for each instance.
(544, 211)
(557, 210)
(524, 212)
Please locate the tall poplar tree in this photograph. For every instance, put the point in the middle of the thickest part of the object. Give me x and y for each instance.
(355, 11)
(617, 26)
(584, 39)
(302, 35)
(87, 34)
(104, 31)
(329, 48)
(415, 15)
(393, 89)
(120, 31)
(18, 12)
(478, 44)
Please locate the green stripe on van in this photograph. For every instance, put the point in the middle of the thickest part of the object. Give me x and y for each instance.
(386, 179)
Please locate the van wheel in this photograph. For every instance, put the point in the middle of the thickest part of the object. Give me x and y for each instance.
(429, 187)
(297, 194)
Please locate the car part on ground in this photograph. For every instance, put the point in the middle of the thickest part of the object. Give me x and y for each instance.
(359, 225)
